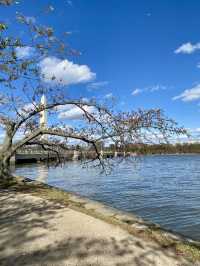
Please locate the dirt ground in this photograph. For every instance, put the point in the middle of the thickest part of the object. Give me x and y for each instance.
(34, 231)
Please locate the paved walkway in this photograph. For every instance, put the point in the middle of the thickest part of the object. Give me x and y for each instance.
(34, 231)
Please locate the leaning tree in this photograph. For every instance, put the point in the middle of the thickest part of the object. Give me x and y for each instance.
(24, 79)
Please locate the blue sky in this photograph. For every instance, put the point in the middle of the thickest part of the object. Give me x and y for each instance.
(144, 53)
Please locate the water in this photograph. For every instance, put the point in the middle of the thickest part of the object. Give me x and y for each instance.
(161, 189)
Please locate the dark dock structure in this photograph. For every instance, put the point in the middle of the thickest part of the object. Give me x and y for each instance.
(71, 155)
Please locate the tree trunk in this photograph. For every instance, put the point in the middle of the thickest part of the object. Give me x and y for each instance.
(5, 168)
(5, 156)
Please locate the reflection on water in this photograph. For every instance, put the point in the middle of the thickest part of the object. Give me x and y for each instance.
(42, 173)
(162, 189)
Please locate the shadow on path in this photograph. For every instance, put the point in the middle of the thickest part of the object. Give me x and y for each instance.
(23, 223)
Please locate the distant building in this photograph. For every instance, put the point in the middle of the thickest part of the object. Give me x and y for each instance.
(43, 114)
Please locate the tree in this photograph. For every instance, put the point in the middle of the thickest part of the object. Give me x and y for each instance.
(24, 80)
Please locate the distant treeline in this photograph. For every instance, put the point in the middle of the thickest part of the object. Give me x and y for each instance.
(162, 148)
(135, 148)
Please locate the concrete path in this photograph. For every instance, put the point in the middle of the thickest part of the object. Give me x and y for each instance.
(34, 231)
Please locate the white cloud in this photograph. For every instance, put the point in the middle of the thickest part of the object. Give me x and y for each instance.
(189, 94)
(136, 92)
(108, 96)
(72, 112)
(153, 88)
(18, 136)
(156, 88)
(64, 72)
(198, 65)
(193, 130)
(97, 85)
(187, 48)
(24, 52)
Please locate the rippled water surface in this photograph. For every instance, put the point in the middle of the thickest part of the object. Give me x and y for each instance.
(162, 189)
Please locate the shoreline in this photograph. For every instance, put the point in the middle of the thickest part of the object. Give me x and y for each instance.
(134, 225)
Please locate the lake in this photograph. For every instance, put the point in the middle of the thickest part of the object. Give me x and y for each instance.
(161, 188)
